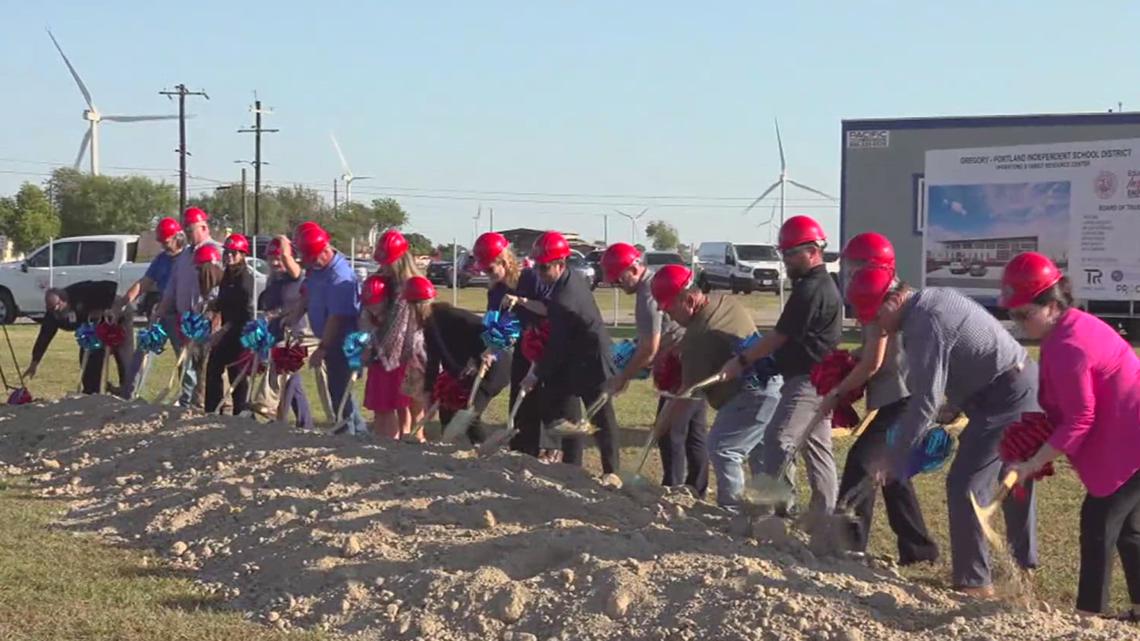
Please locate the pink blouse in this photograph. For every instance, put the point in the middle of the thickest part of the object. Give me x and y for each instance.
(1090, 390)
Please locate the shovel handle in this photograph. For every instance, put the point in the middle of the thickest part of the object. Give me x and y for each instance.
(479, 375)
(1008, 482)
(645, 452)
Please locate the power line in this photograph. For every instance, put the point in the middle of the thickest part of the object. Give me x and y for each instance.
(181, 91)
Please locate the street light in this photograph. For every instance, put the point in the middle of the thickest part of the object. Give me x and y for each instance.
(632, 223)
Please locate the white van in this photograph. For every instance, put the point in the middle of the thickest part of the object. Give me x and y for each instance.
(739, 267)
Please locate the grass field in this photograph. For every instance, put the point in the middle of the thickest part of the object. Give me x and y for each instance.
(109, 593)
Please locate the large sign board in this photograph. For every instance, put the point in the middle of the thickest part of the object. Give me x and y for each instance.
(1078, 203)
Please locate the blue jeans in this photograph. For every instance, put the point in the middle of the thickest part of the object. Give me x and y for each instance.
(737, 434)
(336, 369)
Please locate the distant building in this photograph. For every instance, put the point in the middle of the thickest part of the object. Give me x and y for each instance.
(993, 251)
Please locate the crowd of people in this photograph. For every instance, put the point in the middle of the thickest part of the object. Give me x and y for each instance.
(926, 355)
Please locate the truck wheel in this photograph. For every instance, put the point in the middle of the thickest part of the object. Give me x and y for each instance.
(703, 283)
(7, 307)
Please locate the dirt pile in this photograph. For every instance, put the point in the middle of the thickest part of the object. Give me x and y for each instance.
(412, 542)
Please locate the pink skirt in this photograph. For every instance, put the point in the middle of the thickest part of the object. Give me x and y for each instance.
(382, 390)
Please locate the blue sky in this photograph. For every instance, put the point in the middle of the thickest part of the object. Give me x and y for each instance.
(650, 101)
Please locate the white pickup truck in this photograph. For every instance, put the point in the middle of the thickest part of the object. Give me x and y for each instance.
(75, 259)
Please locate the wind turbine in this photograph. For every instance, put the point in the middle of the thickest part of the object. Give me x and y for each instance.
(632, 223)
(93, 117)
(781, 182)
(347, 176)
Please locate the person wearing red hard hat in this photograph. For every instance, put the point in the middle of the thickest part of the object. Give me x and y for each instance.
(184, 294)
(168, 234)
(395, 337)
(882, 370)
(957, 355)
(869, 249)
(1090, 395)
(715, 326)
(515, 286)
(333, 307)
(284, 304)
(684, 457)
(233, 307)
(576, 361)
(809, 328)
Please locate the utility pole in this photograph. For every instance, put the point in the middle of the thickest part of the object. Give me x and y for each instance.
(492, 219)
(181, 91)
(478, 215)
(334, 198)
(257, 130)
(244, 215)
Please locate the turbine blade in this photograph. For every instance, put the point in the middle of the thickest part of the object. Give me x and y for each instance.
(139, 118)
(343, 162)
(361, 177)
(811, 189)
(780, 144)
(74, 73)
(643, 212)
(82, 148)
(762, 196)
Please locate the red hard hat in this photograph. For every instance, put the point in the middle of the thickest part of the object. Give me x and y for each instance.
(871, 249)
(668, 283)
(867, 289)
(275, 247)
(418, 289)
(207, 253)
(311, 240)
(1026, 277)
(166, 229)
(237, 243)
(800, 230)
(193, 216)
(549, 247)
(389, 247)
(373, 289)
(488, 247)
(617, 258)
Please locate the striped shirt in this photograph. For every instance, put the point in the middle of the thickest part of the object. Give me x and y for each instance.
(954, 348)
(182, 288)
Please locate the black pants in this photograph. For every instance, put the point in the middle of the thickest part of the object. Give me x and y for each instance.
(903, 511)
(222, 359)
(529, 440)
(497, 378)
(684, 452)
(1109, 522)
(562, 403)
(93, 373)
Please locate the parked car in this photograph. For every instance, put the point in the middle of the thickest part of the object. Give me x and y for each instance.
(75, 259)
(977, 270)
(594, 259)
(738, 267)
(577, 262)
(958, 267)
(469, 273)
(658, 259)
(439, 272)
(831, 262)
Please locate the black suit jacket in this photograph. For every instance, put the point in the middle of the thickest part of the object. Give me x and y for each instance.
(577, 355)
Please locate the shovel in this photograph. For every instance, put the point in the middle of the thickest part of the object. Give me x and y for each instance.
(986, 512)
(584, 427)
(414, 435)
(635, 476)
(175, 375)
(82, 369)
(497, 440)
(341, 419)
(15, 361)
(323, 391)
(462, 420)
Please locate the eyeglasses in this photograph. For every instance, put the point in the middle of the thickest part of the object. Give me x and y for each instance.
(795, 251)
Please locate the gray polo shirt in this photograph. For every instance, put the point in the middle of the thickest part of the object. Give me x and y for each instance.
(182, 290)
(954, 349)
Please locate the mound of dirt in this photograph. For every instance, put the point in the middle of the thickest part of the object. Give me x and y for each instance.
(398, 541)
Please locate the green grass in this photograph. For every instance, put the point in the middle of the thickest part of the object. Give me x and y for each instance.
(107, 593)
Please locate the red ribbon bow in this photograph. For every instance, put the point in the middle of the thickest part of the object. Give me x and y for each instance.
(1021, 440)
(450, 392)
(667, 372)
(826, 376)
(534, 340)
(287, 360)
(112, 334)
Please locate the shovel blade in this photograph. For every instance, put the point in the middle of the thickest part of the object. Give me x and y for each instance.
(496, 441)
(765, 490)
(458, 425)
(984, 514)
(572, 429)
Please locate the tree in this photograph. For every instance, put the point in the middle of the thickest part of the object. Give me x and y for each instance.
(418, 244)
(28, 220)
(444, 251)
(107, 204)
(664, 235)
